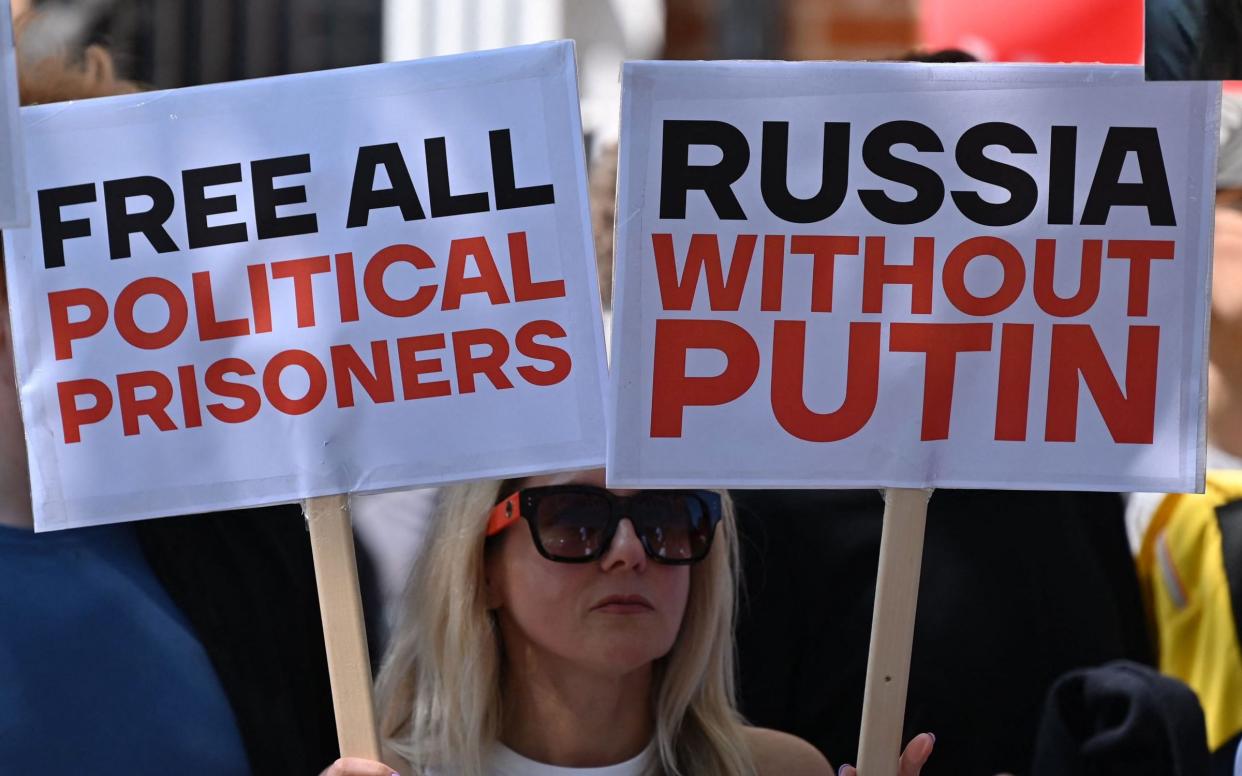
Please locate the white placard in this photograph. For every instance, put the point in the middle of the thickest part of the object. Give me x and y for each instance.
(14, 206)
(343, 281)
(911, 275)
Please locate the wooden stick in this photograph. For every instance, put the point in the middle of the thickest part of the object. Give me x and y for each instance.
(892, 631)
(344, 634)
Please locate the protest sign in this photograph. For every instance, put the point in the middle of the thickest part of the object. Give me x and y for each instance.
(336, 282)
(911, 275)
(14, 207)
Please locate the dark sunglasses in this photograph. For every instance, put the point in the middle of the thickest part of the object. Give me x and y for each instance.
(576, 523)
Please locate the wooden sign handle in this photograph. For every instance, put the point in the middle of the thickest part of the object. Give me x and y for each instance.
(344, 634)
(892, 630)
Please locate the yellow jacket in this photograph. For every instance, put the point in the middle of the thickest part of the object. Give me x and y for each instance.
(1190, 570)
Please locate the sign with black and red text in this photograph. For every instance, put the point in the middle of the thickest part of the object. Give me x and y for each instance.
(335, 282)
(910, 275)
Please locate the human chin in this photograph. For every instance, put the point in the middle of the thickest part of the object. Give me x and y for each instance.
(621, 648)
(624, 631)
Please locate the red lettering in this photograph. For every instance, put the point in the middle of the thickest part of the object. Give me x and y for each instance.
(154, 406)
(377, 294)
(413, 367)
(347, 287)
(260, 298)
(73, 417)
(1088, 279)
(788, 374)
(348, 366)
(210, 327)
(1131, 417)
(672, 390)
(940, 342)
(558, 359)
(677, 293)
(65, 331)
(824, 249)
(1013, 387)
(523, 289)
(773, 272)
(302, 271)
(191, 414)
(457, 285)
(1141, 253)
(489, 365)
(315, 391)
(917, 275)
(247, 395)
(1012, 266)
(178, 313)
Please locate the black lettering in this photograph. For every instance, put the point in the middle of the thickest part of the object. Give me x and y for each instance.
(1151, 191)
(267, 197)
(878, 156)
(364, 197)
(508, 193)
(678, 177)
(150, 222)
(1062, 164)
(198, 206)
(55, 231)
(443, 201)
(1023, 191)
(774, 172)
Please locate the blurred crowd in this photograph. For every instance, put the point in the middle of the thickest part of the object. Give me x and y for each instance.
(1058, 632)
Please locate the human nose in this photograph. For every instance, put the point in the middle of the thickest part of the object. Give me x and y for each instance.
(625, 549)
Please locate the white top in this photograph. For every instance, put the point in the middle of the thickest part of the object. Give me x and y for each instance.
(506, 762)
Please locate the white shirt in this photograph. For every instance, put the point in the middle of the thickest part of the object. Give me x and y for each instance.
(506, 762)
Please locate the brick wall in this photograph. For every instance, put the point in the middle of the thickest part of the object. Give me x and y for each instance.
(810, 29)
(849, 29)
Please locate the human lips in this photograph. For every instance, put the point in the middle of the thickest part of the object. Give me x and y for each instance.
(623, 604)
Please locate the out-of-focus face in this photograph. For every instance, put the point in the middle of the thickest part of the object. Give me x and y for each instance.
(1227, 259)
(561, 610)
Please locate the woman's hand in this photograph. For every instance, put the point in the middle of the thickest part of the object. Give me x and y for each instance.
(356, 766)
(912, 760)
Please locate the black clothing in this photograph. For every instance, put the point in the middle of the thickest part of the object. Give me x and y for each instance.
(1016, 589)
(246, 583)
(1122, 719)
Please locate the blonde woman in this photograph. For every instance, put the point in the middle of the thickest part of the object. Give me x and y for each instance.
(597, 640)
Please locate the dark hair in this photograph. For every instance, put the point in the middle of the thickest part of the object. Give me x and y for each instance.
(943, 55)
(1220, 53)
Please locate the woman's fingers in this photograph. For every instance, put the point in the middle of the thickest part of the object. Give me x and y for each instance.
(356, 766)
(912, 760)
(916, 754)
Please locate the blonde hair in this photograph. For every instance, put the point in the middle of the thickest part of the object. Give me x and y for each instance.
(439, 689)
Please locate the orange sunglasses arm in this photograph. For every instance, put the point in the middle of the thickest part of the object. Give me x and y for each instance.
(504, 514)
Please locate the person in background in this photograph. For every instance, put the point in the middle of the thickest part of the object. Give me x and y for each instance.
(189, 645)
(1188, 547)
(1192, 40)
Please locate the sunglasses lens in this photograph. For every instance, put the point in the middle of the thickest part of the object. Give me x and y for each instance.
(572, 525)
(674, 526)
